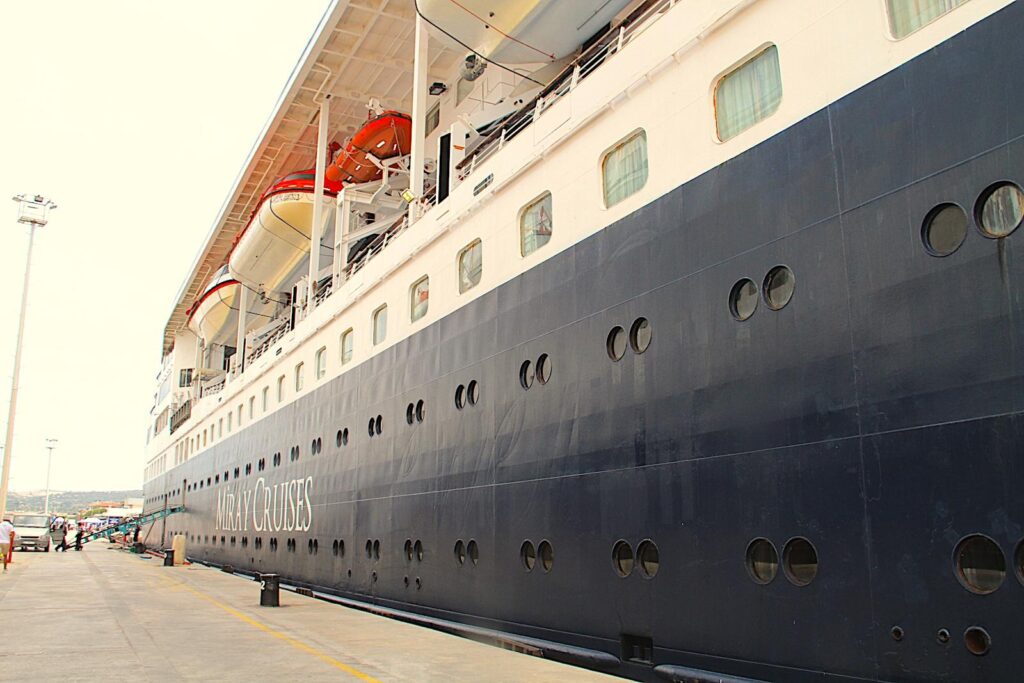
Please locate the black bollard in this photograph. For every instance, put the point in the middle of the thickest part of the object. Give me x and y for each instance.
(168, 557)
(271, 591)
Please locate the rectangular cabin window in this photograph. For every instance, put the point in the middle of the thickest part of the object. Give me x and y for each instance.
(320, 367)
(535, 224)
(280, 389)
(380, 324)
(240, 415)
(229, 422)
(906, 16)
(298, 377)
(346, 346)
(433, 118)
(185, 378)
(624, 168)
(419, 298)
(749, 93)
(220, 427)
(471, 266)
(265, 399)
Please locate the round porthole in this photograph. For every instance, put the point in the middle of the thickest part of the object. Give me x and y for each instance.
(417, 548)
(979, 564)
(473, 392)
(1000, 209)
(473, 551)
(647, 558)
(977, 640)
(334, 547)
(762, 561)
(544, 368)
(800, 561)
(528, 555)
(526, 374)
(369, 549)
(640, 335)
(616, 344)
(369, 427)
(377, 424)
(410, 413)
(944, 229)
(779, 284)
(743, 299)
(408, 550)
(376, 550)
(421, 410)
(622, 558)
(344, 436)
(337, 439)
(460, 397)
(460, 552)
(547, 555)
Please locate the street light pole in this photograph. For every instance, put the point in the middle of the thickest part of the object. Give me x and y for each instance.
(50, 445)
(32, 212)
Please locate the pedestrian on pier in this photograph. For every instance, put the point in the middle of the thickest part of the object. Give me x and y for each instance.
(59, 535)
(78, 538)
(6, 541)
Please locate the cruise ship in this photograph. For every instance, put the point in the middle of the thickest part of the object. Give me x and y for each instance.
(677, 339)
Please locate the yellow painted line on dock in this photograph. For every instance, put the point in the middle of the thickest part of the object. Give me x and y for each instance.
(297, 644)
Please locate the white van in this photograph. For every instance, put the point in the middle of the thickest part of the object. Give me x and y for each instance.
(31, 531)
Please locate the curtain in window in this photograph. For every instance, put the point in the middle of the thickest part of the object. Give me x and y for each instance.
(346, 347)
(471, 266)
(625, 169)
(380, 325)
(535, 225)
(906, 16)
(420, 299)
(749, 94)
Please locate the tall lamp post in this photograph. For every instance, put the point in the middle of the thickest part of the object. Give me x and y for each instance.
(32, 211)
(50, 445)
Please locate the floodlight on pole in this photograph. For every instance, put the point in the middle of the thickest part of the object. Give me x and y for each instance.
(50, 445)
(32, 210)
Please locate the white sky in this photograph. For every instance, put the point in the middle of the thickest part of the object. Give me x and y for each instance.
(135, 117)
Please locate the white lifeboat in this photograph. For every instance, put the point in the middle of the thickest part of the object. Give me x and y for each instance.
(214, 315)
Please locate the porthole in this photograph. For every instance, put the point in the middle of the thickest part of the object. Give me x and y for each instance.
(460, 552)
(942, 636)
(544, 368)
(640, 335)
(800, 561)
(526, 374)
(1000, 209)
(622, 558)
(417, 548)
(421, 410)
(344, 436)
(473, 392)
(647, 557)
(944, 229)
(547, 555)
(460, 397)
(376, 549)
(378, 424)
(528, 555)
(312, 447)
(369, 427)
(762, 561)
(977, 640)
(473, 551)
(337, 439)
(410, 413)
(1018, 561)
(979, 564)
(341, 547)
(369, 549)
(616, 344)
(743, 299)
(408, 550)
(309, 546)
(779, 284)
(334, 548)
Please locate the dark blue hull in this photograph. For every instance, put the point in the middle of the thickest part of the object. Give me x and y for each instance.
(878, 415)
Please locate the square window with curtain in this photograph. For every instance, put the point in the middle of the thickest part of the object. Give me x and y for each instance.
(535, 225)
(185, 378)
(471, 266)
(906, 16)
(380, 324)
(419, 298)
(749, 93)
(624, 168)
(321, 362)
(346, 346)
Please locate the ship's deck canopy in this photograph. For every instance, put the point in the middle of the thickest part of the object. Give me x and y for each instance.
(361, 49)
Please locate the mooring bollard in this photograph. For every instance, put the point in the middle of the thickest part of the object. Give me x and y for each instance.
(168, 557)
(270, 594)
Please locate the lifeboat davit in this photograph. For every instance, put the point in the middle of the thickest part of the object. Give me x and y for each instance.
(214, 315)
(276, 238)
(385, 136)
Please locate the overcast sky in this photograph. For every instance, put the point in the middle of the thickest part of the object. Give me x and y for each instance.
(135, 117)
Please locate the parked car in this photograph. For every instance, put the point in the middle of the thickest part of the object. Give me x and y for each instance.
(31, 531)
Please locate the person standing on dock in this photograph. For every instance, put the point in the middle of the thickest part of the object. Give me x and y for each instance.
(78, 537)
(58, 534)
(6, 541)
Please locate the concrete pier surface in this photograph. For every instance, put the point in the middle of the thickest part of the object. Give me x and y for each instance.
(105, 614)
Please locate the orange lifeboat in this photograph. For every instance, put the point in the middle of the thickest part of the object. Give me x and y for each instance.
(385, 136)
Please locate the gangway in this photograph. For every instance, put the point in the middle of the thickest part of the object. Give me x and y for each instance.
(123, 527)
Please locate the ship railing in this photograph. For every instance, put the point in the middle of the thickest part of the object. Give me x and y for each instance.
(181, 415)
(376, 246)
(582, 67)
(265, 345)
(214, 387)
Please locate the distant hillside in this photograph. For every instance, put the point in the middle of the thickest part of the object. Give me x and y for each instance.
(64, 501)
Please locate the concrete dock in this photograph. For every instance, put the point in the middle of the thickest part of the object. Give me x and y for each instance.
(106, 614)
